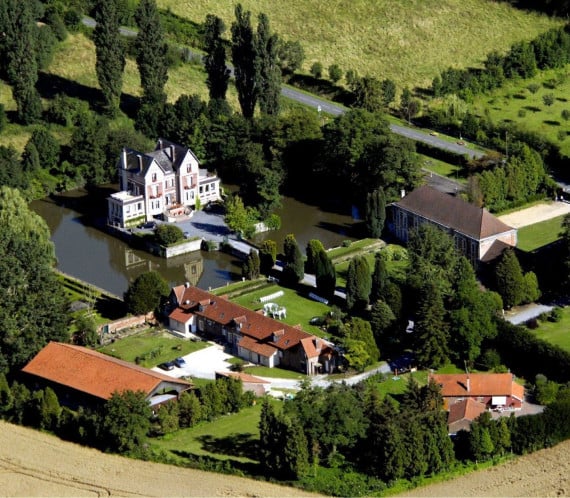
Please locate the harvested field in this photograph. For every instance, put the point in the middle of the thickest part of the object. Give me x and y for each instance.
(37, 464)
(544, 473)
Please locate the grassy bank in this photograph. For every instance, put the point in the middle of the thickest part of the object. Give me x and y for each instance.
(556, 332)
(540, 234)
(408, 42)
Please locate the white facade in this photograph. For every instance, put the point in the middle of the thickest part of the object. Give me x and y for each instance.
(169, 179)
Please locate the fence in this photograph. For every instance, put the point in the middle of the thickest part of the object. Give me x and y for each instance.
(269, 297)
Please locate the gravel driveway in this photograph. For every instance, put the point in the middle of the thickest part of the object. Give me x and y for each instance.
(202, 364)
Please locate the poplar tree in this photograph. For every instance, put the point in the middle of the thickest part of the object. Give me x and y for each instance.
(243, 58)
(267, 67)
(325, 275)
(215, 58)
(293, 272)
(19, 56)
(151, 60)
(379, 277)
(110, 52)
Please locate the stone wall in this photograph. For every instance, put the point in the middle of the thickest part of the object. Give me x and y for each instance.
(127, 322)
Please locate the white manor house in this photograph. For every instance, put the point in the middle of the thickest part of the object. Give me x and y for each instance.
(166, 182)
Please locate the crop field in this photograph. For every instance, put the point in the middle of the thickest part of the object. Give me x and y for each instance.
(408, 41)
(535, 104)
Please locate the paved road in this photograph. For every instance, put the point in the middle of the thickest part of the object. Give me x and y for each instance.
(337, 109)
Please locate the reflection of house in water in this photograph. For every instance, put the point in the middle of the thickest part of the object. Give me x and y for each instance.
(193, 270)
(132, 260)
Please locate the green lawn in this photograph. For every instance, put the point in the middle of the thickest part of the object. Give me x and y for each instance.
(229, 437)
(540, 234)
(441, 168)
(354, 247)
(299, 309)
(276, 373)
(556, 332)
(154, 346)
(515, 102)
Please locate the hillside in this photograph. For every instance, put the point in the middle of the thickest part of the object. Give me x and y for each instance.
(408, 41)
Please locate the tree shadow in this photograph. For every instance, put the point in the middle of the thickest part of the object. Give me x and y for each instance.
(532, 108)
(49, 85)
(551, 122)
(322, 87)
(212, 464)
(339, 228)
(242, 445)
(110, 308)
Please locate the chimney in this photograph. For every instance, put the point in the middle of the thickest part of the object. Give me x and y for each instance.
(173, 152)
(402, 193)
(187, 284)
(468, 384)
(140, 162)
(124, 158)
(160, 143)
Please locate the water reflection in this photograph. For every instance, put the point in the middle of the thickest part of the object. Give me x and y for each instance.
(91, 254)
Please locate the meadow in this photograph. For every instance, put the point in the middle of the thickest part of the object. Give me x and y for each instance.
(523, 102)
(556, 332)
(406, 41)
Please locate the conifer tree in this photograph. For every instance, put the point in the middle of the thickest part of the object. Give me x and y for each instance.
(110, 52)
(510, 279)
(375, 214)
(267, 256)
(358, 283)
(293, 272)
(215, 58)
(379, 277)
(267, 67)
(325, 275)
(243, 58)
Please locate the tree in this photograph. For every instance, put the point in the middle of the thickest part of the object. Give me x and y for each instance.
(375, 213)
(317, 70)
(239, 218)
(110, 52)
(359, 330)
(27, 282)
(335, 73)
(146, 293)
(244, 53)
(290, 55)
(126, 421)
(293, 272)
(6, 396)
(379, 277)
(430, 329)
(267, 68)
(189, 409)
(250, 268)
(47, 146)
(86, 331)
(11, 171)
(20, 55)
(267, 256)
(381, 318)
(358, 284)
(509, 279)
(167, 234)
(368, 94)
(314, 248)
(409, 106)
(50, 410)
(325, 275)
(151, 51)
(87, 148)
(215, 58)
(388, 92)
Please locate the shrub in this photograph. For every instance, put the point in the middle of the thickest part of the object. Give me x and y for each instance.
(565, 114)
(346, 243)
(533, 87)
(522, 113)
(548, 99)
(555, 315)
(335, 73)
(317, 70)
(273, 222)
(168, 234)
(561, 135)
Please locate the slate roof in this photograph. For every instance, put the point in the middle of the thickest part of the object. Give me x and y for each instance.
(95, 373)
(452, 212)
(252, 324)
(166, 154)
(480, 384)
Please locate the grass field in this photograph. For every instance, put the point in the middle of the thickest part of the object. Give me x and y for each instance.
(299, 309)
(540, 234)
(154, 346)
(229, 437)
(406, 41)
(441, 168)
(556, 332)
(516, 103)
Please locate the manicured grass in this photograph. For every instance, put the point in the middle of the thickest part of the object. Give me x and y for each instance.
(354, 247)
(299, 309)
(408, 42)
(229, 437)
(155, 346)
(556, 332)
(505, 104)
(276, 373)
(540, 234)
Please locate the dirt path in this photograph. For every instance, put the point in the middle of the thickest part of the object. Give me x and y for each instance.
(544, 473)
(37, 464)
(535, 214)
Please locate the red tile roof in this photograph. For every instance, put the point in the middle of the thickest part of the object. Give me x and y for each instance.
(257, 347)
(180, 315)
(453, 212)
(94, 373)
(253, 324)
(479, 384)
(466, 409)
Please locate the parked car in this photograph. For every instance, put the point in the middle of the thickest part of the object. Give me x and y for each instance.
(150, 225)
(167, 365)
(180, 362)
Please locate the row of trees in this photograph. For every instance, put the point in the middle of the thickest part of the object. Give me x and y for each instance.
(549, 50)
